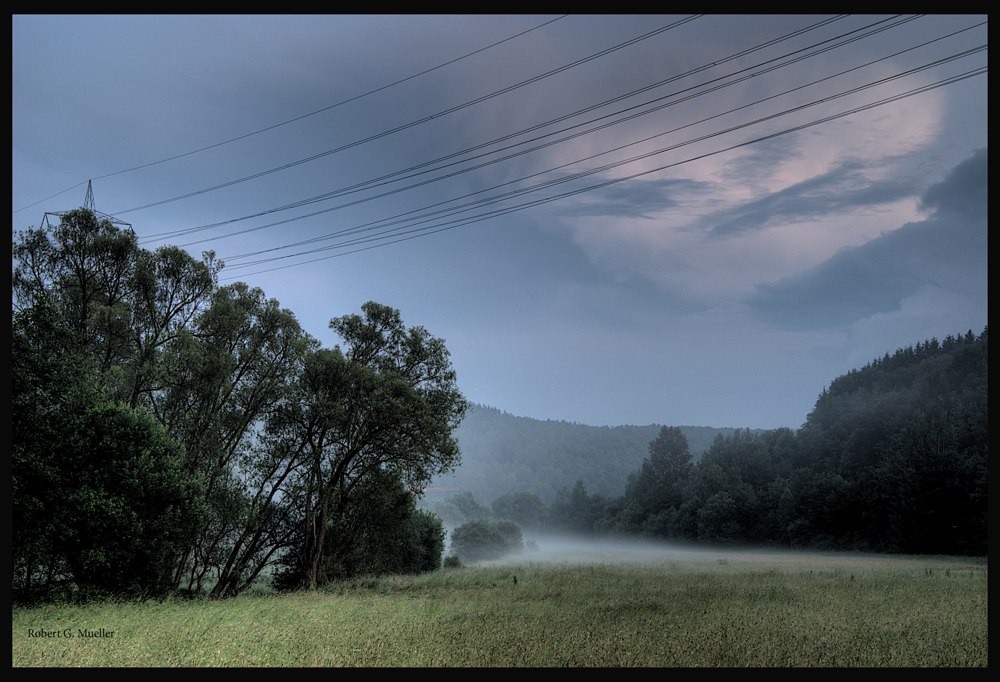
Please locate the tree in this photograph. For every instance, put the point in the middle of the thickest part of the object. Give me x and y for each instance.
(660, 483)
(426, 536)
(82, 266)
(46, 378)
(386, 402)
(222, 381)
(451, 516)
(130, 506)
(125, 305)
(511, 534)
(151, 330)
(384, 534)
(275, 434)
(470, 507)
(101, 499)
(575, 510)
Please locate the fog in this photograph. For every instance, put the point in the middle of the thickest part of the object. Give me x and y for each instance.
(576, 550)
(570, 550)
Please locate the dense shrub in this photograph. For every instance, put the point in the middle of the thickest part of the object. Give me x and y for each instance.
(481, 540)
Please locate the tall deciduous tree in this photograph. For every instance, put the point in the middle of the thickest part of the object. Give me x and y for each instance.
(223, 378)
(386, 401)
(152, 331)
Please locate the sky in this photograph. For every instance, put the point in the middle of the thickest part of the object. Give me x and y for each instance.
(609, 219)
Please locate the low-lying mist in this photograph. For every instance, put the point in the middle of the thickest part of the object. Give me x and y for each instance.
(566, 549)
(577, 550)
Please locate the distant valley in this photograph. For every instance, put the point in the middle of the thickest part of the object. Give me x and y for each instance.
(503, 453)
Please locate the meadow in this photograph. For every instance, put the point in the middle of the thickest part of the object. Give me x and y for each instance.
(600, 607)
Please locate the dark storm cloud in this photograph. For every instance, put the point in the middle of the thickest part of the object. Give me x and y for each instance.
(948, 250)
(635, 199)
(842, 189)
(964, 192)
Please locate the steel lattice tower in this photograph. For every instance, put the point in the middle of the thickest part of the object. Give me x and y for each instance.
(88, 204)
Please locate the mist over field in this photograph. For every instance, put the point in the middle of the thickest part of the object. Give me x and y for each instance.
(556, 549)
(567, 549)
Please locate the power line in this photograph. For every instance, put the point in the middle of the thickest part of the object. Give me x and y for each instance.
(302, 116)
(53, 196)
(419, 232)
(425, 119)
(454, 210)
(399, 218)
(617, 164)
(382, 180)
(799, 52)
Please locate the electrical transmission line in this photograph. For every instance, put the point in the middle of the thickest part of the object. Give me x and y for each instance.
(790, 58)
(400, 218)
(425, 231)
(416, 122)
(301, 116)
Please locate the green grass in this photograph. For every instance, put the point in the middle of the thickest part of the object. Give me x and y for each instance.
(738, 610)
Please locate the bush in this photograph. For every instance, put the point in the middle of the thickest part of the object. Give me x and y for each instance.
(452, 562)
(481, 540)
(119, 505)
(512, 537)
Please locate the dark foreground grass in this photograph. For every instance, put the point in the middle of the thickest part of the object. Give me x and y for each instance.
(733, 611)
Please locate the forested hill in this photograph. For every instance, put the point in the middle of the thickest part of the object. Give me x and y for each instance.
(928, 378)
(893, 458)
(502, 453)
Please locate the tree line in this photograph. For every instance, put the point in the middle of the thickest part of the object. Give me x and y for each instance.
(174, 435)
(893, 458)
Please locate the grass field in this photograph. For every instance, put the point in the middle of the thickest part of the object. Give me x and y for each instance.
(658, 608)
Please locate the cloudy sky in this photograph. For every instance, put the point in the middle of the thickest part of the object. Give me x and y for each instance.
(625, 219)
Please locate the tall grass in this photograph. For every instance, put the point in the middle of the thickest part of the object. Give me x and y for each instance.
(732, 611)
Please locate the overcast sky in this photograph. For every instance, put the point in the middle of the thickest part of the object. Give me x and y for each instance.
(675, 224)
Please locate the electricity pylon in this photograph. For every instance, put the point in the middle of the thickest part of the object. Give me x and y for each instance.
(88, 204)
